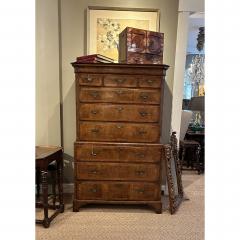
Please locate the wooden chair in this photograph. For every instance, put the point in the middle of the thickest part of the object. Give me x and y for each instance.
(185, 145)
(52, 170)
(49, 159)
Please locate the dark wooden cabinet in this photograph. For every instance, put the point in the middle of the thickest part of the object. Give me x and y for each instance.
(118, 155)
(140, 46)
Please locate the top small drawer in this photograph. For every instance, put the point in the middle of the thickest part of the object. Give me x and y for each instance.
(89, 79)
(150, 82)
(120, 81)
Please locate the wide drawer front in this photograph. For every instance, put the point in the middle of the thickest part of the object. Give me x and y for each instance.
(118, 80)
(87, 190)
(119, 95)
(117, 152)
(117, 171)
(150, 81)
(122, 132)
(117, 112)
(89, 79)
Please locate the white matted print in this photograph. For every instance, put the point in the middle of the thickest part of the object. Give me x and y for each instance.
(104, 26)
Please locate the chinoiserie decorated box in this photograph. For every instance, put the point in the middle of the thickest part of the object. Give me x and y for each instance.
(140, 46)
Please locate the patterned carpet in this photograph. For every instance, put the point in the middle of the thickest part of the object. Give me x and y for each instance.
(111, 222)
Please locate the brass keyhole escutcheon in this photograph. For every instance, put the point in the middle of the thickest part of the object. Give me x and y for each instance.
(95, 130)
(94, 94)
(120, 109)
(94, 112)
(144, 96)
(119, 81)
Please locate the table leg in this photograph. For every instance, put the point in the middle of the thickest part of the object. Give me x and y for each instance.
(46, 221)
(38, 176)
(198, 158)
(183, 155)
(60, 183)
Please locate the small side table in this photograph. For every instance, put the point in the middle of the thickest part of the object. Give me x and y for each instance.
(200, 138)
(44, 156)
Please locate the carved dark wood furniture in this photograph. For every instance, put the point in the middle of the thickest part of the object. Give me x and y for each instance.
(45, 155)
(118, 155)
(198, 136)
(52, 169)
(140, 46)
(194, 160)
(174, 174)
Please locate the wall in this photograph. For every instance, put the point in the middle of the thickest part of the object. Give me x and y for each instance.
(72, 28)
(47, 73)
(186, 7)
(191, 5)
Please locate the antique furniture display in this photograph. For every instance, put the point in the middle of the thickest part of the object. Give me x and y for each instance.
(188, 145)
(193, 161)
(46, 155)
(174, 175)
(198, 137)
(140, 46)
(118, 156)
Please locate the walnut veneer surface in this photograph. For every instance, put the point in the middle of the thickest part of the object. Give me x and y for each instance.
(118, 155)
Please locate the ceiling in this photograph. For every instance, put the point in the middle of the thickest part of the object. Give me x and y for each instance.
(196, 20)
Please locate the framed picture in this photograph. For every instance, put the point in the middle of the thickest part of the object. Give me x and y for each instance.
(105, 24)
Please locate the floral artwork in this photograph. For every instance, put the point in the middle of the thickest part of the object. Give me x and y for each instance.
(108, 31)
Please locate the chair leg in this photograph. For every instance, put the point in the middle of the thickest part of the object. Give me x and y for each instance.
(38, 177)
(53, 176)
(46, 220)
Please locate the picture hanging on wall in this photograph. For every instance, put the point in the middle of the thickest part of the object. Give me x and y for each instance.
(105, 24)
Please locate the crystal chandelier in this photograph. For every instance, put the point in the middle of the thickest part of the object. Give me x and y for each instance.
(196, 73)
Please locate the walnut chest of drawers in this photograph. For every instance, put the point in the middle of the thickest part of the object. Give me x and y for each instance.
(118, 155)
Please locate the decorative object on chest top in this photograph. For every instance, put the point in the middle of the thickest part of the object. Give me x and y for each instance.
(140, 46)
(94, 58)
(118, 155)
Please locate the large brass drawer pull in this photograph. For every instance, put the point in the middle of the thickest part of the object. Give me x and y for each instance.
(94, 154)
(94, 112)
(93, 190)
(119, 92)
(143, 113)
(95, 130)
(94, 94)
(141, 132)
(150, 81)
(88, 79)
(140, 173)
(119, 81)
(94, 171)
(144, 96)
(141, 155)
(140, 190)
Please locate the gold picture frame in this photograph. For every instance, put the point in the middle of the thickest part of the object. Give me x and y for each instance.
(174, 174)
(105, 23)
